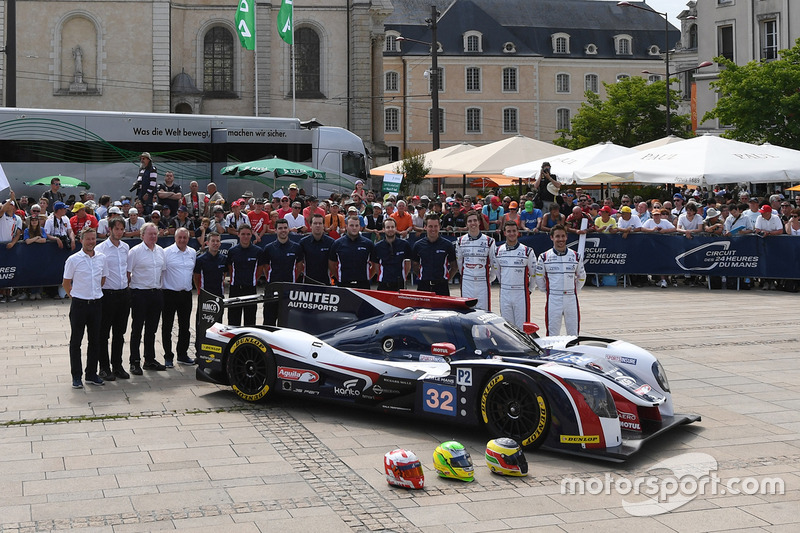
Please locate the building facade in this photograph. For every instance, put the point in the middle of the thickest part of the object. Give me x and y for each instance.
(742, 31)
(185, 57)
(510, 67)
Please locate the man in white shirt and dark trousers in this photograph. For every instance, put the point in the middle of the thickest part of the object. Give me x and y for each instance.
(116, 301)
(146, 265)
(84, 275)
(177, 285)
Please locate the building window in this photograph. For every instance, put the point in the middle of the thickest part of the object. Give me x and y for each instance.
(621, 77)
(562, 83)
(769, 39)
(560, 42)
(307, 73)
(473, 120)
(440, 80)
(652, 78)
(562, 119)
(391, 44)
(622, 43)
(510, 120)
(218, 62)
(591, 49)
(392, 82)
(430, 120)
(391, 120)
(473, 75)
(510, 80)
(473, 41)
(725, 42)
(591, 82)
(693, 37)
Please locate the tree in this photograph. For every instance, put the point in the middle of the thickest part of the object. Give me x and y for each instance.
(632, 114)
(761, 99)
(414, 168)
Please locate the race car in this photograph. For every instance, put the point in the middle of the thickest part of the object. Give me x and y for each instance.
(439, 358)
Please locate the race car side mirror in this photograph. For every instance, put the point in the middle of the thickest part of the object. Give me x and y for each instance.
(443, 349)
(529, 328)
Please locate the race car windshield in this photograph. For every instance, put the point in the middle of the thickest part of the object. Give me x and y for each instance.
(496, 337)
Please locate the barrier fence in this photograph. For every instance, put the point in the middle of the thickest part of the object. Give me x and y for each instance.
(778, 257)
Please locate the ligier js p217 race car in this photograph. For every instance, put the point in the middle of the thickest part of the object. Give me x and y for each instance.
(438, 358)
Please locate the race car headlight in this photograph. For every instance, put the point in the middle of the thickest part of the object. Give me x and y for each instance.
(661, 376)
(597, 396)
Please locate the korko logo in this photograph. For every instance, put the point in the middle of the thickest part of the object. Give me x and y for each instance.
(350, 388)
(297, 374)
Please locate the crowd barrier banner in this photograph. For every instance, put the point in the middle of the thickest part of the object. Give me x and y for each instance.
(778, 257)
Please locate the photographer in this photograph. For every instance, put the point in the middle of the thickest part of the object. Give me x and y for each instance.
(58, 227)
(146, 182)
(546, 186)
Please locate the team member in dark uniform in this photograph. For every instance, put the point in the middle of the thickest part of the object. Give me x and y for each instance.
(349, 257)
(282, 260)
(391, 259)
(434, 259)
(209, 275)
(316, 248)
(242, 264)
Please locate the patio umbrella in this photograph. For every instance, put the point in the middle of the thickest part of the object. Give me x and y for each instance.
(432, 158)
(66, 181)
(565, 165)
(493, 158)
(705, 160)
(663, 141)
(482, 183)
(279, 168)
(795, 188)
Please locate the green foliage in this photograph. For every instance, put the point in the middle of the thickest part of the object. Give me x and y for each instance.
(632, 114)
(761, 99)
(648, 192)
(414, 168)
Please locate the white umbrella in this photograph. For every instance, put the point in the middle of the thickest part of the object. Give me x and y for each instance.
(565, 165)
(493, 158)
(432, 158)
(703, 160)
(663, 141)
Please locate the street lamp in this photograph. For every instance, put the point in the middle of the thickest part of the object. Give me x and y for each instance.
(704, 64)
(666, 52)
(434, 73)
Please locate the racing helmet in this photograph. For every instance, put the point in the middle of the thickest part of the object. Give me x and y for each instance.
(505, 457)
(403, 469)
(451, 460)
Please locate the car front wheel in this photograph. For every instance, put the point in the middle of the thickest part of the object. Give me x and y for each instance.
(250, 366)
(512, 405)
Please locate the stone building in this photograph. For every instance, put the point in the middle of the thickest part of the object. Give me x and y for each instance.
(510, 67)
(185, 57)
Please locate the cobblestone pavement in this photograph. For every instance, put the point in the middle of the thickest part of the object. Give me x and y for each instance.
(163, 451)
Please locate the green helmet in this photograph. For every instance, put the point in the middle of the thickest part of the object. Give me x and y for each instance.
(451, 460)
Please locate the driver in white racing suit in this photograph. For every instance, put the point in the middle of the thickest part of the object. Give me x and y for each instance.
(560, 274)
(515, 263)
(475, 255)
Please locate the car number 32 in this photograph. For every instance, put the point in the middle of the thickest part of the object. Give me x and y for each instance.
(439, 399)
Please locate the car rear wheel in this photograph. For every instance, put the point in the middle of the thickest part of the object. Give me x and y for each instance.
(512, 405)
(250, 366)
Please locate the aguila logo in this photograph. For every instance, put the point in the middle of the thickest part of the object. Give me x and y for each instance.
(296, 374)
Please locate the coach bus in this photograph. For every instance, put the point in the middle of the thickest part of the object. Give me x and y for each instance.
(102, 148)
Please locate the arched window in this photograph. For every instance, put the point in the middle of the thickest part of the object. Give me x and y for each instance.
(693, 37)
(473, 41)
(510, 120)
(591, 83)
(391, 120)
(392, 82)
(562, 119)
(562, 83)
(307, 65)
(218, 61)
(391, 44)
(560, 43)
(510, 80)
(622, 43)
(474, 124)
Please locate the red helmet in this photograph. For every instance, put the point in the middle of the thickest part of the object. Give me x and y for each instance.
(403, 469)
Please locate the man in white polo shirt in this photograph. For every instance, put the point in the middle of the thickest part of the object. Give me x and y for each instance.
(116, 299)
(177, 285)
(146, 265)
(84, 275)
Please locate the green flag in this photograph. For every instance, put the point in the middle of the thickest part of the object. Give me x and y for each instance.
(246, 23)
(285, 21)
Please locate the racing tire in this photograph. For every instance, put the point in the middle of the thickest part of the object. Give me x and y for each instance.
(250, 366)
(512, 405)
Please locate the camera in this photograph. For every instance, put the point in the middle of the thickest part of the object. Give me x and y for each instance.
(65, 240)
(134, 187)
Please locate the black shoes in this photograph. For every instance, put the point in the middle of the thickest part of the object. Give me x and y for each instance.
(153, 365)
(185, 361)
(121, 374)
(106, 375)
(136, 370)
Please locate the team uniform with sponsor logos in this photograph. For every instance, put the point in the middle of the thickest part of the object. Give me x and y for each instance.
(434, 260)
(475, 258)
(281, 259)
(315, 253)
(561, 277)
(390, 258)
(352, 257)
(244, 265)
(514, 271)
